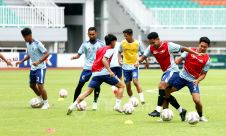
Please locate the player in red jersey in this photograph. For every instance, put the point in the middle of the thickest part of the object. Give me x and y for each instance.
(194, 70)
(102, 73)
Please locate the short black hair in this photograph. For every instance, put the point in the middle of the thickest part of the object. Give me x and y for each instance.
(205, 39)
(128, 31)
(26, 31)
(109, 38)
(92, 29)
(153, 35)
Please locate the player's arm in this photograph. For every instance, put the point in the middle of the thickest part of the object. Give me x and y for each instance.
(203, 74)
(24, 59)
(4, 59)
(80, 52)
(119, 55)
(76, 56)
(44, 57)
(145, 55)
(178, 60)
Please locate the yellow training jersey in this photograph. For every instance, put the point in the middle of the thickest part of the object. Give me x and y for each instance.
(130, 51)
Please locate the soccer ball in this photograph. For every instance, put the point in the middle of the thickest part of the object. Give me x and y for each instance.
(167, 115)
(134, 101)
(36, 103)
(63, 93)
(192, 118)
(81, 106)
(128, 108)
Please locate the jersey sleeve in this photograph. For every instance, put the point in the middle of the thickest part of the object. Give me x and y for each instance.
(141, 49)
(207, 66)
(147, 52)
(173, 47)
(41, 47)
(184, 54)
(109, 53)
(81, 49)
(120, 48)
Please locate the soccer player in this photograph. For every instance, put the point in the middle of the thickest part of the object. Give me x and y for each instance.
(102, 73)
(38, 54)
(6, 61)
(163, 52)
(88, 48)
(194, 70)
(130, 49)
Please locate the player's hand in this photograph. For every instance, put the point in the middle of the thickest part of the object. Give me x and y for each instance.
(137, 64)
(196, 82)
(72, 58)
(36, 63)
(9, 63)
(201, 54)
(112, 74)
(18, 63)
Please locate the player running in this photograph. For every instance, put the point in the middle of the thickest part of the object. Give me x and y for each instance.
(194, 70)
(38, 54)
(88, 48)
(102, 73)
(6, 61)
(130, 49)
(163, 52)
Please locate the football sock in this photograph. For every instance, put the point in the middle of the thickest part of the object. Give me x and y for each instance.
(141, 96)
(173, 101)
(200, 114)
(160, 97)
(180, 109)
(96, 94)
(158, 108)
(78, 90)
(118, 103)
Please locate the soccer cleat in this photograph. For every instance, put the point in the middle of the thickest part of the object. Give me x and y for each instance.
(116, 108)
(203, 119)
(142, 102)
(71, 108)
(94, 106)
(69, 111)
(45, 106)
(183, 114)
(154, 113)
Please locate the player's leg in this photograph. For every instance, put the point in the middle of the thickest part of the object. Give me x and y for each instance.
(118, 73)
(194, 89)
(84, 77)
(137, 85)
(40, 75)
(33, 86)
(96, 96)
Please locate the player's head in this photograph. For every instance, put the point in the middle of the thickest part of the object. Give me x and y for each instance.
(27, 34)
(204, 43)
(110, 40)
(92, 33)
(128, 34)
(153, 39)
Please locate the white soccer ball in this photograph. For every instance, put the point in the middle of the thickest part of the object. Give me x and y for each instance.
(63, 93)
(192, 118)
(134, 101)
(36, 103)
(167, 115)
(81, 106)
(128, 108)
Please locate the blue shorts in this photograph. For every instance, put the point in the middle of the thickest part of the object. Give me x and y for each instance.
(130, 74)
(117, 71)
(85, 75)
(37, 76)
(169, 77)
(179, 83)
(98, 80)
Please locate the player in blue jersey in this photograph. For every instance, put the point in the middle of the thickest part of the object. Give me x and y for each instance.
(6, 61)
(88, 48)
(38, 54)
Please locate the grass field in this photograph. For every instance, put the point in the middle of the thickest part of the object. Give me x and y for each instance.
(18, 119)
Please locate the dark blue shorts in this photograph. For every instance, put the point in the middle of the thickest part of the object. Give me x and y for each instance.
(85, 75)
(169, 77)
(98, 80)
(117, 71)
(37, 76)
(179, 83)
(130, 74)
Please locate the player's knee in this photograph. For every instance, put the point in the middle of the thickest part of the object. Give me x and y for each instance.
(162, 85)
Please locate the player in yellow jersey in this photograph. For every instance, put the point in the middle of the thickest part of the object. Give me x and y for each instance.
(130, 49)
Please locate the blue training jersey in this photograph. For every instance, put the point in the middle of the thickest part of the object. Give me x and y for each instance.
(36, 51)
(89, 50)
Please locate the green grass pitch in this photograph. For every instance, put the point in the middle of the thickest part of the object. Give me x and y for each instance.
(18, 119)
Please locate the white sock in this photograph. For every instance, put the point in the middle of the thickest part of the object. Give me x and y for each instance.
(141, 97)
(45, 101)
(180, 109)
(73, 105)
(158, 108)
(118, 102)
(40, 97)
